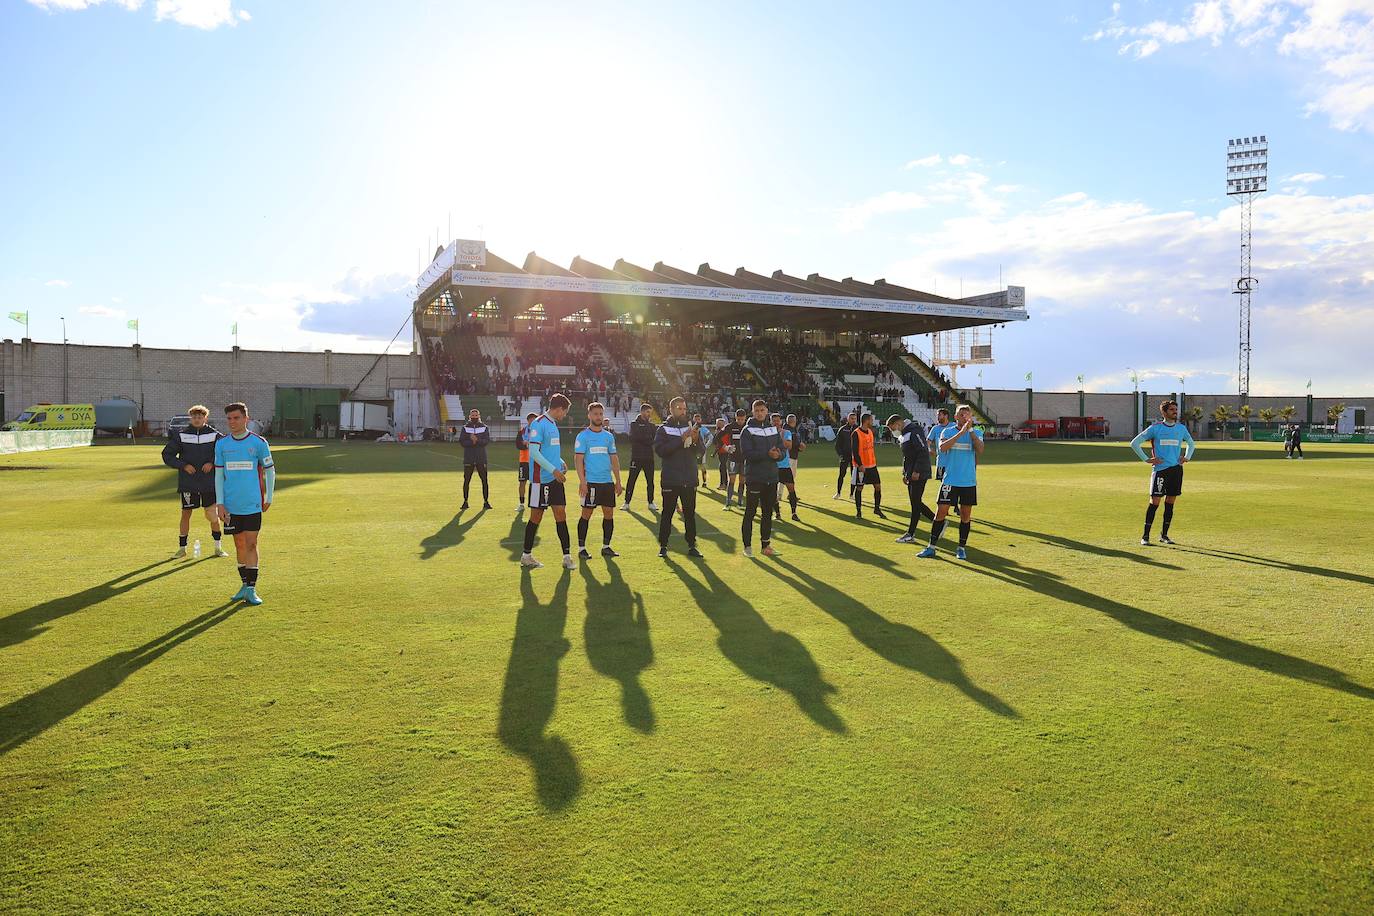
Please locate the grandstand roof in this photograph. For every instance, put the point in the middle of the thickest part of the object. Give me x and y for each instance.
(708, 295)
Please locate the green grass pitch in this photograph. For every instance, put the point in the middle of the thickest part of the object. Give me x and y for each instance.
(1067, 722)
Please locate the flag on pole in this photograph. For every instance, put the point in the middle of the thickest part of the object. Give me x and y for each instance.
(1309, 384)
(1028, 376)
(235, 328)
(21, 317)
(133, 324)
(1080, 378)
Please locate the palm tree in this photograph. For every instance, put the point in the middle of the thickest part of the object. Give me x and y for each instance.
(1221, 415)
(1245, 412)
(1266, 415)
(1286, 413)
(1333, 414)
(1195, 414)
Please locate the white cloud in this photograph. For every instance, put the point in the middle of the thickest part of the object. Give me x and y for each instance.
(924, 162)
(1116, 282)
(859, 215)
(960, 159)
(1304, 178)
(1335, 36)
(101, 311)
(62, 283)
(200, 14)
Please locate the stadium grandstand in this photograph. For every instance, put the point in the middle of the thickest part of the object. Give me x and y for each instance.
(502, 338)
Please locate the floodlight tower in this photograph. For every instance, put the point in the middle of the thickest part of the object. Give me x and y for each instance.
(1247, 174)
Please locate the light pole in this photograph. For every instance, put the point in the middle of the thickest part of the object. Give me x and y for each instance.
(1247, 174)
(1135, 398)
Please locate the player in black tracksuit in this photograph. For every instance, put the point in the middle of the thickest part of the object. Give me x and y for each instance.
(642, 432)
(476, 436)
(192, 452)
(678, 443)
(761, 445)
(915, 469)
(844, 448)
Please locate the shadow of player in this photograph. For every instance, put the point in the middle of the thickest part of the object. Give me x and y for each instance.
(758, 650)
(530, 694)
(616, 630)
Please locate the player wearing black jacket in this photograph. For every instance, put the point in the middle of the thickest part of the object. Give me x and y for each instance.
(192, 452)
(761, 446)
(476, 436)
(678, 443)
(843, 448)
(915, 470)
(734, 488)
(642, 432)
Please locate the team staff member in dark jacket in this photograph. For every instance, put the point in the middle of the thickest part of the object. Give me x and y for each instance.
(761, 446)
(679, 444)
(476, 437)
(192, 452)
(843, 448)
(642, 432)
(915, 469)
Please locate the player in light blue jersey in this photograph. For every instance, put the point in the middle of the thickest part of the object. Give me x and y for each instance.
(548, 471)
(245, 480)
(598, 474)
(787, 475)
(933, 438)
(1171, 447)
(960, 446)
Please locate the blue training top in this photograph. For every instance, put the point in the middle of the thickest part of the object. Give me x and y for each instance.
(960, 463)
(244, 474)
(933, 435)
(596, 447)
(1167, 440)
(546, 449)
(786, 461)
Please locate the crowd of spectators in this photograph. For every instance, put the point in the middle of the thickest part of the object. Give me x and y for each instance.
(755, 366)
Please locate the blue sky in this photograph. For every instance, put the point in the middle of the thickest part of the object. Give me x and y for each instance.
(192, 163)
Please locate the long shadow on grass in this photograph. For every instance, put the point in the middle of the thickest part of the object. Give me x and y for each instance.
(450, 535)
(1081, 546)
(616, 630)
(1022, 453)
(1161, 627)
(758, 650)
(705, 530)
(530, 694)
(898, 643)
(1278, 565)
(30, 716)
(26, 624)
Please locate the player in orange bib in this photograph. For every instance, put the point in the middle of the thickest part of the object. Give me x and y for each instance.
(863, 447)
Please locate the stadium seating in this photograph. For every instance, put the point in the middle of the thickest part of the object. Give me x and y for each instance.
(499, 374)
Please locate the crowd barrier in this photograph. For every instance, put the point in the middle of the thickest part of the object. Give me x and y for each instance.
(38, 440)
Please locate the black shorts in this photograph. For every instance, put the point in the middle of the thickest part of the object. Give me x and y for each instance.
(736, 466)
(644, 464)
(475, 465)
(524, 470)
(866, 476)
(958, 496)
(237, 524)
(939, 473)
(785, 475)
(543, 495)
(194, 499)
(599, 494)
(1167, 482)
